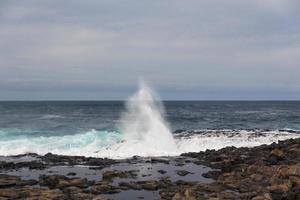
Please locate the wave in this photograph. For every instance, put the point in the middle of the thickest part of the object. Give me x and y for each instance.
(112, 144)
(84, 144)
(201, 140)
(51, 117)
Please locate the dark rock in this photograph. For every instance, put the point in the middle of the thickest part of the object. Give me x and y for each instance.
(212, 174)
(277, 153)
(27, 182)
(109, 175)
(159, 160)
(161, 171)
(130, 185)
(104, 187)
(59, 181)
(8, 181)
(71, 174)
(183, 172)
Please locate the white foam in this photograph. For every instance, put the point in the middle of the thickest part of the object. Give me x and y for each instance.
(51, 117)
(109, 144)
(85, 144)
(216, 139)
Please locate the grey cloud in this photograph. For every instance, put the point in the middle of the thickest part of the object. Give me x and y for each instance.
(212, 47)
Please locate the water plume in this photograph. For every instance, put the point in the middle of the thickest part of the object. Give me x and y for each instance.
(144, 122)
(143, 127)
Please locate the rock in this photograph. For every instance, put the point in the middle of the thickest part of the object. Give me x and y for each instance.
(226, 195)
(150, 185)
(8, 193)
(212, 174)
(280, 188)
(29, 193)
(8, 181)
(295, 181)
(161, 171)
(277, 153)
(109, 175)
(183, 172)
(76, 193)
(260, 197)
(71, 174)
(180, 164)
(103, 187)
(59, 181)
(160, 160)
(186, 194)
(293, 170)
(45, 194)
(27, 182)
(256, 177)
(130, 185)
(50, 180)
(265, 196)
(164, 182)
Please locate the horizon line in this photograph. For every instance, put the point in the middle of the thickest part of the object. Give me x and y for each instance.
(74, 100)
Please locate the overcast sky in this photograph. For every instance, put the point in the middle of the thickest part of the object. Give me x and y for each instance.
(189, 50)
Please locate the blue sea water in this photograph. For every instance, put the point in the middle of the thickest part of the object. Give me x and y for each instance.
(84, 127)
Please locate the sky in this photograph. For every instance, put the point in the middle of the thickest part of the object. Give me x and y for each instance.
(186, 50)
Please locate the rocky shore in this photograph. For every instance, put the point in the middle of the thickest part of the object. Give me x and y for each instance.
(263, 172)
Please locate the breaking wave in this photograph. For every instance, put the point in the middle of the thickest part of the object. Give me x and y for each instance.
(112, 144)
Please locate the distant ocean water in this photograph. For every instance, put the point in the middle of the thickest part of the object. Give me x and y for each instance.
(91, 128)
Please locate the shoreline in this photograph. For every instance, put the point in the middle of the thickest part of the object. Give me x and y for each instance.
(262, 172)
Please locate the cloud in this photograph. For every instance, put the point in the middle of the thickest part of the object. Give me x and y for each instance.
(180, 46)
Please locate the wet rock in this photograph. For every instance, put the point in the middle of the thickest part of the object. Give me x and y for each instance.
(212, 174)
(277, 153)
(8, 193)
(27, 182)
(8, 181)
(146, 185)
(109, 175)
(160, 160)
(187, 194)
(71, 174)
(130, 185)
(161, 171)
(295, 181)
(180, 164)
(256, 177)
(265, 196)
(150, 185)
(59, 181)
(183, 172)
(31, 165)
(293, 170)
(99, 162)
(273, 160)
(50, 158)
(280, 188)
(104, 187)
(76, 193)
(29, 193)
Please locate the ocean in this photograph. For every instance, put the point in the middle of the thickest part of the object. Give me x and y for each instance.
(99, 128)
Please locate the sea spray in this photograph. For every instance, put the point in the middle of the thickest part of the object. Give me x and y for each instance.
(144, 129)
(144, 123)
